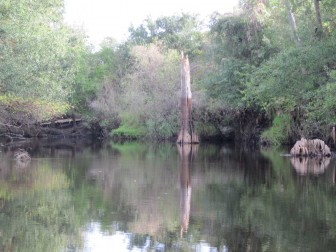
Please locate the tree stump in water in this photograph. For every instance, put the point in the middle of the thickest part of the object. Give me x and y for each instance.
(187, 133)
(312, 148)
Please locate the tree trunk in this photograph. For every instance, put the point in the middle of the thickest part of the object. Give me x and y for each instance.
(187, 134)
(293, 24)
(319, 30)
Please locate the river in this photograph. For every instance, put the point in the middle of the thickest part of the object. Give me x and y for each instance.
(161, 197)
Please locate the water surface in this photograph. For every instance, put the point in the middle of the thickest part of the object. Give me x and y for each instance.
(143, 197)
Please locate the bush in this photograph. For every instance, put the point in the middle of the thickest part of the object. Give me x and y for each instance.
(24, 110)
(129, 132)
(279, 132)
(146, 99)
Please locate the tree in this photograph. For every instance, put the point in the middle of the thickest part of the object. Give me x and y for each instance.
(39, 53)
(318, 16)
(144, 98)
(93, 69)
(182, 33)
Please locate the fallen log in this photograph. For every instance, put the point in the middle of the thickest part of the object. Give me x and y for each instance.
(62, 122)
(312, 148)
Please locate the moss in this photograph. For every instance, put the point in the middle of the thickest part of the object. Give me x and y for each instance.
(278, 133)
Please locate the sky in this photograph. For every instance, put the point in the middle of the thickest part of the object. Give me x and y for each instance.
(112, 18)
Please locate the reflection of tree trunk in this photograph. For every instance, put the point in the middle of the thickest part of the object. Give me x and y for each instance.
(186, 154)
(187, 133)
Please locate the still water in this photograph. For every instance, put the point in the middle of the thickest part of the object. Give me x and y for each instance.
(142, 197)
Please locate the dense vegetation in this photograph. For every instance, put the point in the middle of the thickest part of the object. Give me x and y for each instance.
(267, 70)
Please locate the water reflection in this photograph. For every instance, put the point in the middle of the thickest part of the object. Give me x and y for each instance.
(35, 209)
(139, 197)
(187, 153)
(310, 165)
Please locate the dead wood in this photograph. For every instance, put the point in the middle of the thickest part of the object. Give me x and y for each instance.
(313, 148)
(187, 133)
(64, 127)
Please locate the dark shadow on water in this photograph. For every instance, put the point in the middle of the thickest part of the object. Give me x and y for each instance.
(47, 147)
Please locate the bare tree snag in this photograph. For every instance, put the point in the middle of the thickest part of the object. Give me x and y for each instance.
(318, 17)
(293, 23)
(187, 133)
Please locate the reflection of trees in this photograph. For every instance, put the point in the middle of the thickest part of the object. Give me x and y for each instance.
(241, 200)
(36, 211)
(141, 183)
(294, 212)
(258, 204)
(58, 147)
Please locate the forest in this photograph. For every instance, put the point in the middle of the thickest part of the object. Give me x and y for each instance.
(264, 74)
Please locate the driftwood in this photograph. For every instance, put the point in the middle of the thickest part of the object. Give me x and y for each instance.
(312, 148)
(65, 127)
(62, 122)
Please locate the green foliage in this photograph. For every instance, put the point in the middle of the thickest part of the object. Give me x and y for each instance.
(228, 81)
(26, 110)
(279, 132)
(296, 77)
(129, 132)
(160, 127)
(207, 130)
(240, 38)
(93, 69)
(180, 32)
(38, 52)
(146, 97)
(247, 61)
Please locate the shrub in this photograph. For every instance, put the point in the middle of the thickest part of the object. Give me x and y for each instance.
(279, 132)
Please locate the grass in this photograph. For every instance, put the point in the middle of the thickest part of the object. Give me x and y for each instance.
(129, 132)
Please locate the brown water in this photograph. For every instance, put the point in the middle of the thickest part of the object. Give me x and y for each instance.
(142, 197)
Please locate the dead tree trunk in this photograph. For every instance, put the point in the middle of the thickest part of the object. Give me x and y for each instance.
(293, 23)
(318, 17)
(187, 133)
